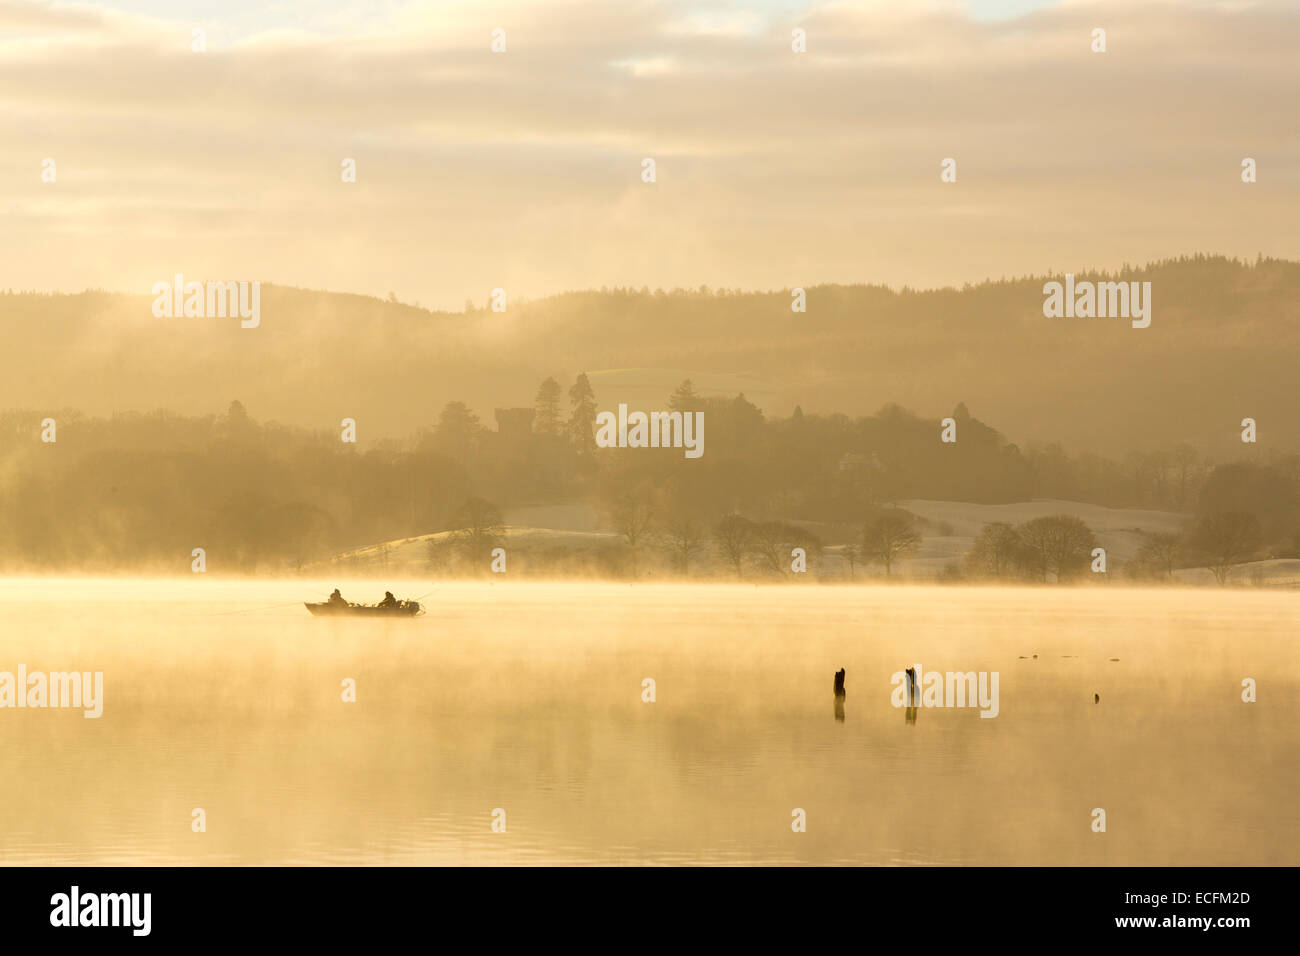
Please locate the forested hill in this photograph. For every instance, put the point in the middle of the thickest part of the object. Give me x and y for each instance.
(1223, 345)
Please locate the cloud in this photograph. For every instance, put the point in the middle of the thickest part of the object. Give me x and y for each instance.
(648, 65)
(477, 170)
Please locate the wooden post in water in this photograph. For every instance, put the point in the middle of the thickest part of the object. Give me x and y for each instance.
(913, 696)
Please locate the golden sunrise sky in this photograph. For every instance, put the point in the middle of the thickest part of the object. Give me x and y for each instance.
(522, 169)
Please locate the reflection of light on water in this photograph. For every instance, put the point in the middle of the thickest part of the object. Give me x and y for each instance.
(223, 694)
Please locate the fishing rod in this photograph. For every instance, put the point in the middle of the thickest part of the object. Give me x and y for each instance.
(250, 610)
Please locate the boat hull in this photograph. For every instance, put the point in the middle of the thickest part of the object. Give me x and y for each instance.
(405, 609)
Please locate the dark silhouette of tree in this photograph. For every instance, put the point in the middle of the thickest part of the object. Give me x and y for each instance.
(479, 529)
(547, 403)
(632, 517)
(998, 552)
(680, 528)
(1223, 538)
(683, 536)
(457, 432)
(889, 536)
(237, 425)
(853, 555)
(138, 489)
(771, 543)
(1159, 551)
(733, 535)
(1057, 544)
(1271, 492)
(439, 552)
(811, 544)
(685, 398)
(582, 419)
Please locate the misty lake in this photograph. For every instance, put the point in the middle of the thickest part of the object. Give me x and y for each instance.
(226, 695)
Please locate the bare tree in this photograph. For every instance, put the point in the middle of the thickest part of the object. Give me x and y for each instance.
(733, 536)
(479, 529)
(998, 551)
(888, 537)
(1223, 538)
(1159, 550)
(773, 542)
(1057, 544)
(632, 516)
(851, 553)
(438, 554)
(683, 536)
(811, 544)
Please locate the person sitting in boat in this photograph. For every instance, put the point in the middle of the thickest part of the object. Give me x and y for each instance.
(336, 599)
(389, 600)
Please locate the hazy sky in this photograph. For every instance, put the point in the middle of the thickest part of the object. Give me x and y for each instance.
(522, 169)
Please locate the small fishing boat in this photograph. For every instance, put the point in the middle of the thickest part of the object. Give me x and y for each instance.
(400, 609)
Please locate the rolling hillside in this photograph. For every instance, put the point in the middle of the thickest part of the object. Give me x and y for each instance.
(1223, 345)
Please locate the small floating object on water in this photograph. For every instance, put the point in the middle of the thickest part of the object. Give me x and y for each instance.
(839, 682)
(1096, 698)
(1114, 658)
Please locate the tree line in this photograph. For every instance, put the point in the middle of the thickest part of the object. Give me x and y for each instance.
(137, 489)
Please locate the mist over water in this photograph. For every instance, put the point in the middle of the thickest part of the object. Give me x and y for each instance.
(226, 695)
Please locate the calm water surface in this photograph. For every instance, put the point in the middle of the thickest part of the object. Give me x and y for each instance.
(226, 694)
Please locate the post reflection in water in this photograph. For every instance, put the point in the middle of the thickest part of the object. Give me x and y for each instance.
(217, 695)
